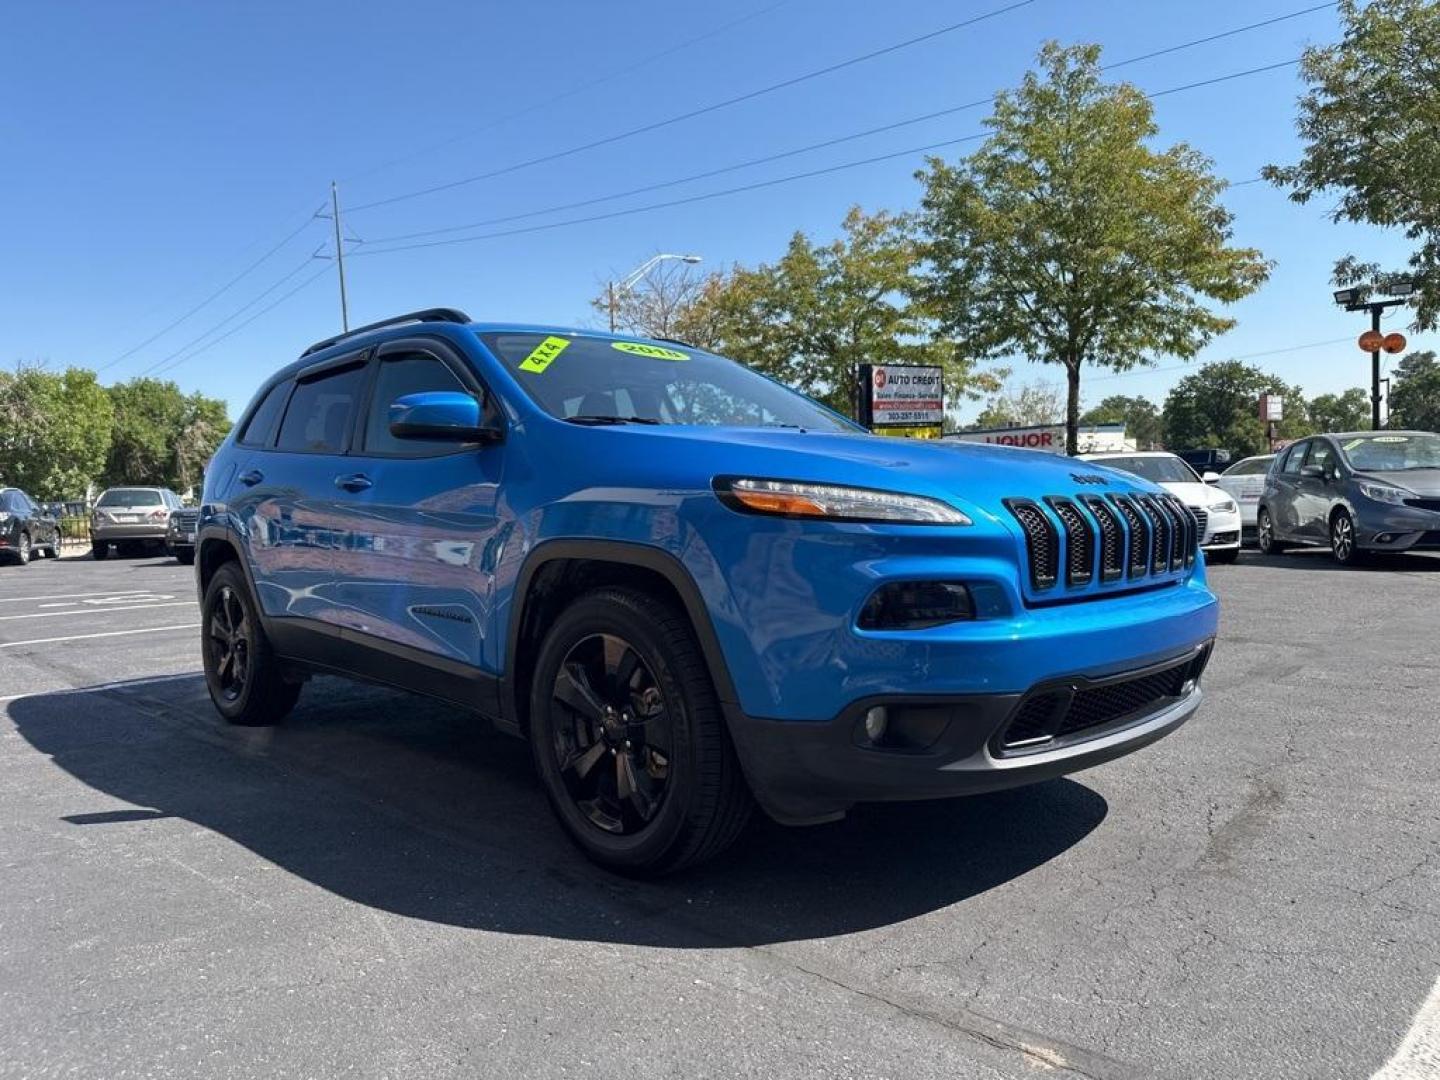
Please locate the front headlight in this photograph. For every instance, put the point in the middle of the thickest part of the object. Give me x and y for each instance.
(795, 499)
(1225, 506)
(1385, 493)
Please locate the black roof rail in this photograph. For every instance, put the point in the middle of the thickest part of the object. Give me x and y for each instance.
(438, 314)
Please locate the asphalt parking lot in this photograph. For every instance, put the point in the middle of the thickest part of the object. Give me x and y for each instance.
(377, 888)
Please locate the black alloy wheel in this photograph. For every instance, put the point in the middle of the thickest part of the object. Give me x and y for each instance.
(245, 680)
(612, 734)
(228, 644)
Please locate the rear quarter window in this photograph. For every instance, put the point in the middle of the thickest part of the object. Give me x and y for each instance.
(261, 425)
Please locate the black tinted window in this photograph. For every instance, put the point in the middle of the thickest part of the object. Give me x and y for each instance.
(398, 377)
(321, 412)
(262, 421)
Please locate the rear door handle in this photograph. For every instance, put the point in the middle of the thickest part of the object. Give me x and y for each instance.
(353, 482)
(251, 477)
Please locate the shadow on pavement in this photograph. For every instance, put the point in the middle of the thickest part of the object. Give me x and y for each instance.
(1312, 559)
(401, 804)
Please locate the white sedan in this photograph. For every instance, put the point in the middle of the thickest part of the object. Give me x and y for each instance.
(1216, 510)
(1244, 481)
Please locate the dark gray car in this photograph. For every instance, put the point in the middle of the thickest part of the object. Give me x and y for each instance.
(1358, 492)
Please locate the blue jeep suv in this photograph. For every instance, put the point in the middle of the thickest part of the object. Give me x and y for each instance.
(690, 588)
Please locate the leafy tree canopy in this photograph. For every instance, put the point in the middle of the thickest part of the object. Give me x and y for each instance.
(822, 309)
(1370, 121)
(1219, 407)
(1415, 393)
(1349, 411)
(1138, 414)
(161, 436)
(1069, 238)
(1031, 405)
(54, 431)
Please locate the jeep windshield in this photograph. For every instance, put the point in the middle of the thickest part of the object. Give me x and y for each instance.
(1392, 453)
(594, 380)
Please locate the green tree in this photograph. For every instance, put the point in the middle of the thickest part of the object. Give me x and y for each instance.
(1031, 405)
(1349, 411)
(1415, 393)
(1138, 414)
(1068, 238)
(54, 431)
(822, 309)
(1371, 128)
(1219, 407)
(161, 436)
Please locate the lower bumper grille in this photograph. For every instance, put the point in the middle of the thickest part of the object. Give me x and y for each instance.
(1071, 710)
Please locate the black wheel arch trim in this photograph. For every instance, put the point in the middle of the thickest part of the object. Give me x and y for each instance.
(621, 552)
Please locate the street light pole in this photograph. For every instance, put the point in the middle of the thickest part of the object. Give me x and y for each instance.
(614, 291)
(1359, 298)
(1375, 310)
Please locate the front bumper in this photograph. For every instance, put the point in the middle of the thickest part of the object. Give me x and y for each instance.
(1222, 531)
(804, 773)
(1383, 527)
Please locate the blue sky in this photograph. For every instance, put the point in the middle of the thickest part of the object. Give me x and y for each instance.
(154, 151)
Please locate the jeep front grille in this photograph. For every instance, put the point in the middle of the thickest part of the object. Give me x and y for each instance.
(1070, 541)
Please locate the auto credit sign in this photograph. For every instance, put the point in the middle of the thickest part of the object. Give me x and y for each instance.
(906, 396)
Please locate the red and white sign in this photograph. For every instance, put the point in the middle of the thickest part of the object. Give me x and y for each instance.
(908, 395)
(1050, 437)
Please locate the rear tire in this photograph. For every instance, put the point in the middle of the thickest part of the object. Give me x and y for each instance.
(185, 556)
(1265, 534)
(241, 671)
(628, 737)
(23, 550)
(99, 551)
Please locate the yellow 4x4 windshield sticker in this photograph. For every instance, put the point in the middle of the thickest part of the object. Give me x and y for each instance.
(543, 354)
(655, 352)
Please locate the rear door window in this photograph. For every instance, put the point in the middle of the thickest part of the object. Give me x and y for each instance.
(321, 412)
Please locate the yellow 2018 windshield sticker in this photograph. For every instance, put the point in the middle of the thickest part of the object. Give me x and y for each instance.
(544, 354)
(655, 352)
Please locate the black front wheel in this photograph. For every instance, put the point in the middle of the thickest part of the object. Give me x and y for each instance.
(628, 737)
(241, 672)
(1344, 544)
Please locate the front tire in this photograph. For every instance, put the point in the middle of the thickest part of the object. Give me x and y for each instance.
(241, 672)
(1265, 534)
(22, 549)
(1228, 556)
(1344, 544)
(99, 550)
(628, 737)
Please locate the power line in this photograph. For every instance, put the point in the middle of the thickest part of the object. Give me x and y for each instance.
(701, 111)
(1242, 356)
(213, 296)
(1221, 35)
(164, 360)
(240, 326)
(573, 91)
(809, 174)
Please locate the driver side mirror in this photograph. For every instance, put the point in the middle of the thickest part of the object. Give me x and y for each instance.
(1314, 472)
(446, 415)
(1210, 476)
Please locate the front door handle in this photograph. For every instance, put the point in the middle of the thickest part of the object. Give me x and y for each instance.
(251, 477)
(353, 482)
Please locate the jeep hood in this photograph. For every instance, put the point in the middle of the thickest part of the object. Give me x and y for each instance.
(969, 475)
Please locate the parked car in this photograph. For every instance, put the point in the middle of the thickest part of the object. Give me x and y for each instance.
(1216, 512)
(26, 528)
(134, 519)
(690, 588)
(1244, 482)
(1358, 492)
(180, 533)
(1206, 460)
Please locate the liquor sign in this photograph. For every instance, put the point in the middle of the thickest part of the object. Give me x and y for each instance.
(901, 396)
(1045, 437)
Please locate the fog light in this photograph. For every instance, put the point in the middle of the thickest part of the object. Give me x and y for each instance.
(1384, 538)
(876, 721)
(916, 605)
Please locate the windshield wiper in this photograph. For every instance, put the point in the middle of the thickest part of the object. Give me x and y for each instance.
(589, 418)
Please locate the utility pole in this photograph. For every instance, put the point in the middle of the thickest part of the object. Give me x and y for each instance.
(340, 257)
(1364, 298)
(610, 300)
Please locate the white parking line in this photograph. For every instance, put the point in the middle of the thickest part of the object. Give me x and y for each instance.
(71, 596)
(95, 610)
(1419, 1055)
(87, 637)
